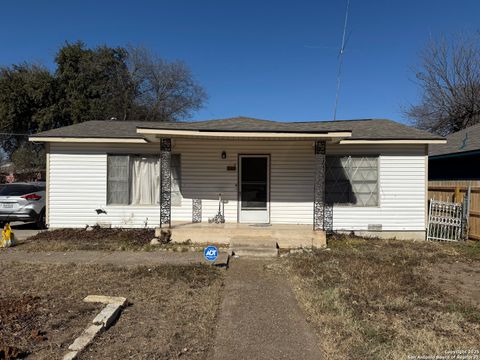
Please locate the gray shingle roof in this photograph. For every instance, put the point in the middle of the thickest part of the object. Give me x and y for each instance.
(372, 129)
(462, 141)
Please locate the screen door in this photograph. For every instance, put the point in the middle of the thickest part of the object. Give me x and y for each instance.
(254, 204)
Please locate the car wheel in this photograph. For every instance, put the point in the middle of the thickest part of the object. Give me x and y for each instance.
(41, 220)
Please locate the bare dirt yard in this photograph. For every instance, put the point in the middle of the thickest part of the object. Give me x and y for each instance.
(95, 239)
(378, 299)
(171, 314)
(101, 239)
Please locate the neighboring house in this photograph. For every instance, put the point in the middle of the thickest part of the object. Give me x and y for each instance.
(459, 158)
(367, 176)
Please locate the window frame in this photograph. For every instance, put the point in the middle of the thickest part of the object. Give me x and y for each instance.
(373, 155)
(130, 155)
(129, 176)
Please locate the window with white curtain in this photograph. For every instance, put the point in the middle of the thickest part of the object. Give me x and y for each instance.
(145, 180)
(135, 180)
(176, 167)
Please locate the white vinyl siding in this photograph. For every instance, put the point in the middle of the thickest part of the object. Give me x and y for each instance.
(78, 184)
(401, 205)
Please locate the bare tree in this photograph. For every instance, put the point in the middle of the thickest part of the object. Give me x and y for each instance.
(450, 80)
(165, 91)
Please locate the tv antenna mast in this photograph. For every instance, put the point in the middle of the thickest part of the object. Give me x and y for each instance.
(340, 61)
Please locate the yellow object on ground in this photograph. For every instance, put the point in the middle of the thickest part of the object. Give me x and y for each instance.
(7, 236)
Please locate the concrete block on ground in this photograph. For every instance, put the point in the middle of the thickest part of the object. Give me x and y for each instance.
(108, 315)
(85, 338)
(319, 240)
(163, 234)
(117, 300)
(155, 241)
(104, 225)
(71, 355)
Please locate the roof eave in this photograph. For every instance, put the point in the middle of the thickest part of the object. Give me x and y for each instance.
(76, 139)
(455, 154)
(392, 141)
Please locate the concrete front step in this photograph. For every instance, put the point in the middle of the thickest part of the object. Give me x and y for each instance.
(254, 247)
(253, 244)
(255, 252)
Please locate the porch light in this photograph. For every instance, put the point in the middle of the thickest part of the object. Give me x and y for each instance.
(224, 155)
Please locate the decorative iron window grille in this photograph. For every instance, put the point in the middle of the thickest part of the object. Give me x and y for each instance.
(352, 180)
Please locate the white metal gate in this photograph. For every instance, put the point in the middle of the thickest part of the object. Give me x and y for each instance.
(445, 221)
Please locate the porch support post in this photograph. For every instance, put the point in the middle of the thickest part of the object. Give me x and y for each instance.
(319, 186)
(165, 182)
(196, 211)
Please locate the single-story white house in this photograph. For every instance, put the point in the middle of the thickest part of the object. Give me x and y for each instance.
(367, 176)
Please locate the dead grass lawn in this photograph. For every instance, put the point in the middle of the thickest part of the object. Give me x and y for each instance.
(96, 239)
(377, 299)
(100, 239)
(172, 311)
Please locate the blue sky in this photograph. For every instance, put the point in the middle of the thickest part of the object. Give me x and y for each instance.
(266, 59)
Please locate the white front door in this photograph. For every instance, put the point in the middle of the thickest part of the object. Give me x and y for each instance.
(254, 189)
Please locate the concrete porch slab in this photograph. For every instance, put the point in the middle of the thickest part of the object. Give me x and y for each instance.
(285, 236)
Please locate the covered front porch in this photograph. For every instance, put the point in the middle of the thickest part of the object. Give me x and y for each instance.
(245, 187)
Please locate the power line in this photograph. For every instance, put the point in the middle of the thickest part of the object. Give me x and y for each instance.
(340, 61)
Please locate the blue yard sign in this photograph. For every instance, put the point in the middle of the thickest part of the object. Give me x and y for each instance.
(210, 253)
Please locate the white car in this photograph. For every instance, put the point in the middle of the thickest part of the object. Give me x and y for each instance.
(23, 202)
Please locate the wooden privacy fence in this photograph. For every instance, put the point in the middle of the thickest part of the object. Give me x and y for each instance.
(454, 191)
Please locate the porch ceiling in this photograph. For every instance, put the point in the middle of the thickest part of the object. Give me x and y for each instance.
(154, 135)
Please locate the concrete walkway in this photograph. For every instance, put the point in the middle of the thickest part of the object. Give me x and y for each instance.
(260, 317)
(120, 258)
